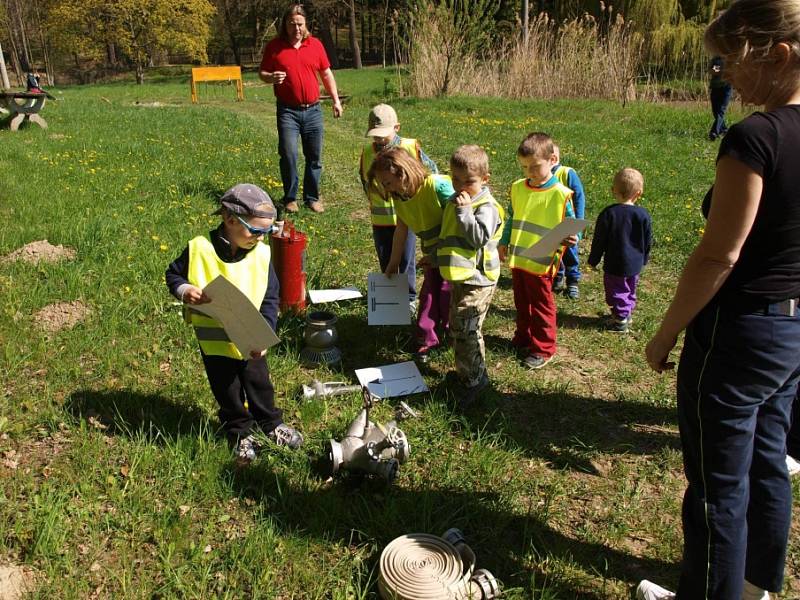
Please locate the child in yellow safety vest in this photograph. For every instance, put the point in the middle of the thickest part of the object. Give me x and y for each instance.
(419, 199)
(240, 384)
(384, 131)
(469, 260)
(539, 202)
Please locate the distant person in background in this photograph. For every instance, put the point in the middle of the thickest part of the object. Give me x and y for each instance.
(291, 63)
(719, 92)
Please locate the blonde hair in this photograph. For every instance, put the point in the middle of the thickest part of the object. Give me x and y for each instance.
(753, 27)
(472, 159)
(294, 9)
(402, 165)
(628, 181)
(536, 144)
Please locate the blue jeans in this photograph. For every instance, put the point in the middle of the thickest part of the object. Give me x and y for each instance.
(737, 378)
(720, 98)
(383, 237)
(307, 124)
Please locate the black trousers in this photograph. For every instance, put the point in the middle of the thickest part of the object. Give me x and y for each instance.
(737, 379)
(236, 382)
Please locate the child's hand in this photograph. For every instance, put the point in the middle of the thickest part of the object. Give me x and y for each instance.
(570, 241)
(462, 199)
(391, 269)
(258, 353)
(194, 295)
(503, 252)
(425, 262)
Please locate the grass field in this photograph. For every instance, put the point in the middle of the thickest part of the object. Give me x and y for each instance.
(114, 482)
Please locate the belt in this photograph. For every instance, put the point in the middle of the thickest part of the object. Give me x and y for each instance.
(787, 308)
(783, 308)
(301, 106)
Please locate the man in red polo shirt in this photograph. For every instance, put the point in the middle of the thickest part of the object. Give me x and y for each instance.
(291, 63)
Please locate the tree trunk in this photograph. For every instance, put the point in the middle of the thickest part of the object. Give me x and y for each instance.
(139, 73)
(229, 25)
(525, 22)
(3, 73)
(353, 39)
(327, 41)
(48, 66)
(28, 66)
(385, 26)
(364, 28)
(111, 54)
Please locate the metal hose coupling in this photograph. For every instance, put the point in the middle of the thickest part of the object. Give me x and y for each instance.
(421, 566)
(368, 447)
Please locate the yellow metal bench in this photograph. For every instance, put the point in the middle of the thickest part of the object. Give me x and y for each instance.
(217, 74)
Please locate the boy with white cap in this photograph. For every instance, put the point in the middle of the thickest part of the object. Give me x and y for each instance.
(384, 130)
(240, 384)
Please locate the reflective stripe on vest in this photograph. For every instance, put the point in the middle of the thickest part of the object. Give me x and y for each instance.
(535, 213)
(250, 275)
(423, 212)
(457, 260)
(382, 211)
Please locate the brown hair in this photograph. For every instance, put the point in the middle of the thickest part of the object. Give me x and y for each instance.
(402, 165)
(628, 181)
(753, 27)
(294, 9)
(536, 144)
(471, 158)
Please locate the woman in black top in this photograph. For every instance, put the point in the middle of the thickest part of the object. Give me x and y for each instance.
(737, 300)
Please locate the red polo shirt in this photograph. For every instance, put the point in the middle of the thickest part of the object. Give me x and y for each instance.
(301, 66)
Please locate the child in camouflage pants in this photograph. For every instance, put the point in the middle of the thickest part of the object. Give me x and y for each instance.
(467, 257)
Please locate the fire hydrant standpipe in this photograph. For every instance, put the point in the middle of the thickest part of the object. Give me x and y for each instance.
(289, 258)
(420, 566)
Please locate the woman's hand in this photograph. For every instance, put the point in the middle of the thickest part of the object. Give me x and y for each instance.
(657, 352)
(391, 269)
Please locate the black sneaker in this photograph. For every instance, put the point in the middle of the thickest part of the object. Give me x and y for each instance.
(468, 395)
(283, 435)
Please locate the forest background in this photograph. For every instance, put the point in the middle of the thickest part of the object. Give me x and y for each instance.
(636, 48)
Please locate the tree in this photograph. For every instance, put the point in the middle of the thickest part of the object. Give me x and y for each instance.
(139, 30)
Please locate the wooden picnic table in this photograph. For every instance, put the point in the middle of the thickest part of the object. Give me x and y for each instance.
(24, 106)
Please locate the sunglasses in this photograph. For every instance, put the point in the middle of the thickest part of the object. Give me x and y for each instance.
(256, 230)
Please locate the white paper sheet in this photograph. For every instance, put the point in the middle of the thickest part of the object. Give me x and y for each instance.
(388, 381)
(551, 241)
(322, 296)
(387, 300)
(244, 325)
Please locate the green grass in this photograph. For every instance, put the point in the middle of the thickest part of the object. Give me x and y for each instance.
(567, 482)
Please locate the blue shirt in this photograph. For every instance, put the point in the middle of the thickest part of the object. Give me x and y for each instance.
(623, 235)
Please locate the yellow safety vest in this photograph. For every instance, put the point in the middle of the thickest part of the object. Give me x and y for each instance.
(457, 260)
(250, 275)
(423, 212)
(562, 174)
(381, 210)
(536, 211)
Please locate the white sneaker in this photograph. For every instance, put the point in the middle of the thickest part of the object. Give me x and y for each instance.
(753, 592)
(648, 590)
(792, 465)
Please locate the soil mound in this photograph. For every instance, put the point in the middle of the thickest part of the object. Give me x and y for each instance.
(40, 251)
(61, 315)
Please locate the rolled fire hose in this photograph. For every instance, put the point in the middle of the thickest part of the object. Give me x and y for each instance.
(420, 566)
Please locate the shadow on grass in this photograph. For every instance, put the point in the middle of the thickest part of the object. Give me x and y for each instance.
(125, 412)
(571, 431)
(507, 543)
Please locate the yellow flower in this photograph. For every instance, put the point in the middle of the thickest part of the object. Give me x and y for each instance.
(163, 247)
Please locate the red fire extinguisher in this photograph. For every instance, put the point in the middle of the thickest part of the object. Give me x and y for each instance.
(289, 257)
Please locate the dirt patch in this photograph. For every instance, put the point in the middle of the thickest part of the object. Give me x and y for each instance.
(61, 315)
(15, 582)
(40, 251)
(155, 105)
(360, 214)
